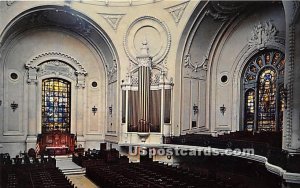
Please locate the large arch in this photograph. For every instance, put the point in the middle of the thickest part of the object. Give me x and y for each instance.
(63, 35)
(210, 34)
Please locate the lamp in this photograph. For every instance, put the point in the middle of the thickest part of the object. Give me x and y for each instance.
(110, 110)
(195, 108)
(94, 110)
(14, 106)
(223, 109)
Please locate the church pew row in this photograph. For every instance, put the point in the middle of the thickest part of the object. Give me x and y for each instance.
(153, 175)
(27, 175)
(212, 172)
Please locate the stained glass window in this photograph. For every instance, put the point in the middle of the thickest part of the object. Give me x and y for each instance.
(267, 100)
(250, 105)
(262, 88)
(56, 105)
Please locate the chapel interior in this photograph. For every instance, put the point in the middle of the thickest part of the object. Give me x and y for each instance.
(150, 93)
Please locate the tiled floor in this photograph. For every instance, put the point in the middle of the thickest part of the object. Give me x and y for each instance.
(80, 181)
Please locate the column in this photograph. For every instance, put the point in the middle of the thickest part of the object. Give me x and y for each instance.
(80, 108)
(32, 109)
(291, 127)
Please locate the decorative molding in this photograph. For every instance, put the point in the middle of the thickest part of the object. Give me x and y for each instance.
(161, 30)
(177, 11)
(59, 56)
(290, 85)
(262, 34)
(292, 10)
(56, 63)
(112, 73)
(292, 177)
(224, 10)
(57, 68)
(113, 19)
(295, 11)
(195, 67)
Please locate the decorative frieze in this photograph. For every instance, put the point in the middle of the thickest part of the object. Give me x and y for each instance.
(56, 68)
(57, 64)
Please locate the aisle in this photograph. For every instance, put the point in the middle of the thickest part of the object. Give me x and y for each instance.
(80, 181)
(74, 172)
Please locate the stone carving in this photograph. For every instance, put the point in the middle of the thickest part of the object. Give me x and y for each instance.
(9, 3)
(56, 68)
(32, 74)
(177, 11)
(261, 34)
(112, 73)
(56, 55)
(144, 58)
(195, 66)
(113, 19)
(155, 32)
(50, 63)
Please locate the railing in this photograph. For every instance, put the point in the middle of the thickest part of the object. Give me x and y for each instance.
(264, 144)
(143, 126)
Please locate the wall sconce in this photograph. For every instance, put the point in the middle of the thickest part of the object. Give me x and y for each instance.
(223, 109)
(14, 106)
(195, 108)
(284, 93)
(94, 110)
(110, 110)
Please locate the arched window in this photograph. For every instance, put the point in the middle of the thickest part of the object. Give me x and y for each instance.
(262, 87)
(56, 105)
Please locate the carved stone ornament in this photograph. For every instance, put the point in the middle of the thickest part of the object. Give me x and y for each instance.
(55, 63)
(9, 3)
(155, 32)
(113, 19)
(177, 11)
(112, 73)
(262, 34)
(56, 68)
(196, 66)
